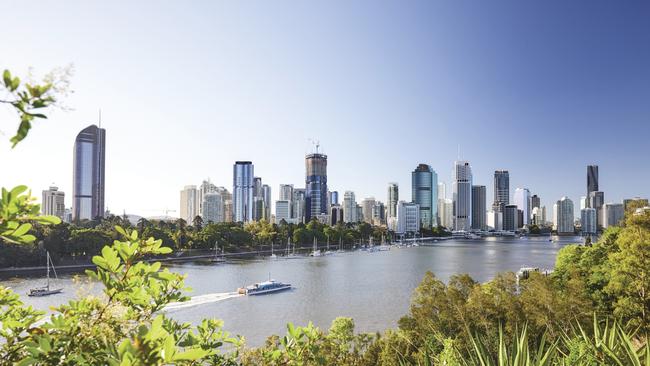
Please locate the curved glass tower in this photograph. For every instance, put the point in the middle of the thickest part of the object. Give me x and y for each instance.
(424, 192)
(88, 174)
(242, 191)
(315, 186)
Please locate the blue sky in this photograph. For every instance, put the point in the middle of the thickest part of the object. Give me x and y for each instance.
(186, 88)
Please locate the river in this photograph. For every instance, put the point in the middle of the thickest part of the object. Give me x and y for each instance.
(372, 288)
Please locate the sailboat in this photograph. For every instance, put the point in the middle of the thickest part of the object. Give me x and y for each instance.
(293, 253)
(316, 252)
(340, 245)
(328, 251)
(217, 258)
(46, 290)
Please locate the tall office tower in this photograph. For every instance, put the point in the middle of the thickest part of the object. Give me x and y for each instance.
(228, 213)
(212, 207)
(584, 202)
(588, 221)
(298, 205)
(555, 215)
(535, 201)
(462, 196)
(334, 198)
(336, 214)
(510, 218)
(442, 191)
(592, 179)
(613, 214)
(522, 200)
(478, 208)
(266, 194)
(633, 203)
(538, 216)
(564, 216)
(393, 198)
(424, 192)
(501, 190)
(189, 203)
(367, 204)
(258, 199)
(349, 207)
(359, 213)
(282, 211)
(315, 186)
(242, 191)
(495, 220)
(205, 188)
(408, 218)
(53, 202)
(378, 213)
(447, 213)
(286, 194)
(257, 187)
(597, 200)
(88, 177)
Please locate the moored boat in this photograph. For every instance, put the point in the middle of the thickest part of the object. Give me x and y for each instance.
(265, 287)
(46, 290)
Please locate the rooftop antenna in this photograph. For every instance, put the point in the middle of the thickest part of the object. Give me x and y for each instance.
(100, 118)
(316, 143)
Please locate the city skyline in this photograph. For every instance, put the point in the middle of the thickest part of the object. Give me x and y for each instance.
(430, 86)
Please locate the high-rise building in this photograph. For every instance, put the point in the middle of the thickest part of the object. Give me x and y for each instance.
(613, 214)
(315, 186)
(190, 204)
(522, 200)
(592, 179)
(88, 178)
(367, 205)
(359, 213)
(298, 205)
(53, 203)
(447, 213)
(535, 201)
(495, 220)
(336, 214)
(243, 191)
(212, 207)
(510, 218)
(588, 221)
(334, 198)
(462, 196)
(282, 211)
(596, 201)
(501, 190)
(205, 188)
(228, 214)
(478, 208)
(442, 191)
(584, 202)
(423, 182)
(564, 216)
(378, 213)
(408, 218)
(538, 216)
(393, 198)
(258, 199)
(266, 195)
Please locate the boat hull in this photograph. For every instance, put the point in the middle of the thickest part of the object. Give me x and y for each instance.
(268, 291)
(44, 292)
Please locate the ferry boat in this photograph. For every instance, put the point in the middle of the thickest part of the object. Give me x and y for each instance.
(263, 288)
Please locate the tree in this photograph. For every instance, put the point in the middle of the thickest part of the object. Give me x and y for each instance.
(197, 222)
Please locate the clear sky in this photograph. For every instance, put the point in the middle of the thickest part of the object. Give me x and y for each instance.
(541, 88)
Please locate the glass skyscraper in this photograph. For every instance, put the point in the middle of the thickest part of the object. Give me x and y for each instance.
(501, 190)
(592, 179)
(462, 196)
(88, 176)
(315, 186)
(242, 191)
(424, 192)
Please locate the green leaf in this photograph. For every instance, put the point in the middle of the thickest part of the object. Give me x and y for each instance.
(7, 78)
(191, 355)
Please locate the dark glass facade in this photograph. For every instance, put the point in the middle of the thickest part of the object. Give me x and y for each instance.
(315, 186)
(88, 177)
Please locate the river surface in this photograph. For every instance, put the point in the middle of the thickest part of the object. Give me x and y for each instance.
(372, 288)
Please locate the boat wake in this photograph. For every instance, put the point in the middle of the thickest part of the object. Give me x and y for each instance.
(202, 299)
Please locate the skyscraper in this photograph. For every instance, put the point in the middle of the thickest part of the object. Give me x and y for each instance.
(205, 188)
(588, 221)
(596, 201)
(592, 179)
(349, 207)
(266, 194)
(258, 199)
(408, 218)
(190, 203)
(393, 198)
(378, 213)
(298, 205)
(424, 192)
(315, 186)
(564, 216)
(334, 198)
(242, 191)
(462, 196)
(510, 218)
(501, 190)
(282, 211)
(89, 174)
(212, 207)
(53, 202)
(367, 205)
(478, 208)
(613, 214)
(522, 200)
(535, 201)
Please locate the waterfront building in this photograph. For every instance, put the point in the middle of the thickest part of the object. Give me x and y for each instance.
(189, 203)
(315, 185)
(243, 191)
(266, 196)
(299, 205)
(592, 179)
(613, 214)
(522, 200)
(462, 196)
(88, 177)
(367, 206)
(538, 216)
(258, 199)
(336, 214)
(449, 214)
(510, 218)
(588, 221)
(53, 203)
(501, 190)
(334, 198)
(596, 201)
(359, 213)
(212, 207)
(349, 207)
(535, 201)
(408, 218)
(205, 188)
(442, 191)
(479, 208)
(424, 187)
(282, 211)
(495, 220)
(286, 192)
(378, 214)
(564, 216)
(393, 198)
